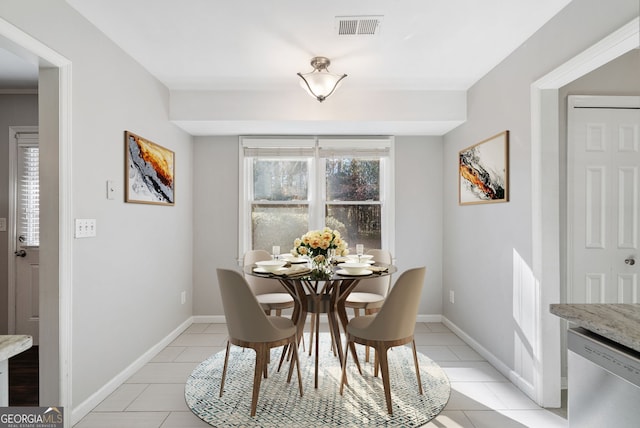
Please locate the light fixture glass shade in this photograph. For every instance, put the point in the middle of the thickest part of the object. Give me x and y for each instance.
(320, 83)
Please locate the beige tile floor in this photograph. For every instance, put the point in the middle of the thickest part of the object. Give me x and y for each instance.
(481, 397)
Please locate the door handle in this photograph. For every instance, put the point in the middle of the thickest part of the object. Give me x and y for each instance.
(630, 261)
(20, 253)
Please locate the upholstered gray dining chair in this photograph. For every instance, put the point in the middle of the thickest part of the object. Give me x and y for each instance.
(250, 327)
(270, 294)
(392, 326)
(370, 293)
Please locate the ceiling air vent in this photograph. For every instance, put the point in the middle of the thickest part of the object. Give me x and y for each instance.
(358, 25)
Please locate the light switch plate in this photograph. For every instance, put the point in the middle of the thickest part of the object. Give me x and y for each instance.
(3, 224)
(85, 228)
(110, 189)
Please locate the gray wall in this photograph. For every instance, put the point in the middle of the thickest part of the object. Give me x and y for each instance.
(215, 218)
(485, 244)
(15, 110)
(418, 194)
(127, 281)
(419, 234)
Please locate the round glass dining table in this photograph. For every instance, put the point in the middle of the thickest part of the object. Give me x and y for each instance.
(321, 294)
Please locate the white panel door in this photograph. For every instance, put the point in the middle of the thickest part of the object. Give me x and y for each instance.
(26, 233)
(28, 292)
(604, 189)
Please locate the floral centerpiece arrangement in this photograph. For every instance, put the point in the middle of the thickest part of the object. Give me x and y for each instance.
(320, 246)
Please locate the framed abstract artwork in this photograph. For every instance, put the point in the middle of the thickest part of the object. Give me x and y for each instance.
(483, 171)
(149, 172)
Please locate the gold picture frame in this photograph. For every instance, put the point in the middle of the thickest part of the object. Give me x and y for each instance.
(149, 172)
(483, 171)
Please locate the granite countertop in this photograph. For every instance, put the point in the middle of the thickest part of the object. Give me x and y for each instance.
(617, 322)
(13, 344)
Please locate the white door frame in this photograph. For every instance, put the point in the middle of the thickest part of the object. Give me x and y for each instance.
(11, 226)
(55, 130)
(545, 199)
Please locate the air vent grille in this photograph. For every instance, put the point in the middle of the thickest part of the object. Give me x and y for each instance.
(358, 25)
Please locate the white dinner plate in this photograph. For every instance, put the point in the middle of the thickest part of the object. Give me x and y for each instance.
(263, 270)
(343, 272)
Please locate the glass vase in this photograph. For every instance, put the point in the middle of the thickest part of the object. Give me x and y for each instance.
(321, 267)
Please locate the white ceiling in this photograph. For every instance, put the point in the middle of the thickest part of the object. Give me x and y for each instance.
(251, 45)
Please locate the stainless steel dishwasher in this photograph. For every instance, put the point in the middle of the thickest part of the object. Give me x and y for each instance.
(604, 382)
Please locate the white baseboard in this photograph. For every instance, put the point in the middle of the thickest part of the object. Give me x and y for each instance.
(523, 385)
(219, 319)
(209, 319)
(507, 372)
(85, 407)
(429, 318)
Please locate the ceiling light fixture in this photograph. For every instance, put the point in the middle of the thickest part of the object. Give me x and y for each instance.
(320, 83)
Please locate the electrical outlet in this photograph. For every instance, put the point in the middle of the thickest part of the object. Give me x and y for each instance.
(452, 296)
(183, 297)
(3, 224)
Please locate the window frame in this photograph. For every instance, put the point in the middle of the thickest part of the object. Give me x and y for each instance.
(379, 147)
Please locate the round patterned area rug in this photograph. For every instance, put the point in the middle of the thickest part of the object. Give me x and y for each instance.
(280, 405)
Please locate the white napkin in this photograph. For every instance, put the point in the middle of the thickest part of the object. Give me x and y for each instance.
(378, 269)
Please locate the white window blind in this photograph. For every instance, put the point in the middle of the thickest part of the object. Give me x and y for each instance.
(361, 148)
(278, 147)
(28, 190)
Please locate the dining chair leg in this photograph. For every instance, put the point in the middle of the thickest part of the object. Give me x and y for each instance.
(224, 369)
(376, 362)
(286, 353)
(415, 361)
(384, 368)
(295, 360)
(344, 319)
(257, 377)
(290, 368)
(352, 348)
(343, 378)
(267, 360)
